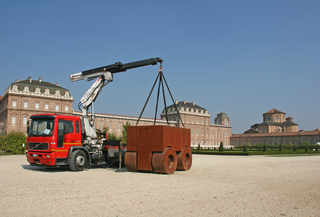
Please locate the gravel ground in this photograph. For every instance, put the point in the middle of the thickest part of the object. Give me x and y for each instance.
(214, 186)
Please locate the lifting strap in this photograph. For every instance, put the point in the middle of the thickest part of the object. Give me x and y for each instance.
(161, 79)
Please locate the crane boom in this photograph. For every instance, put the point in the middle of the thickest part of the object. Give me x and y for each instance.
(113, 68)
(104, 75)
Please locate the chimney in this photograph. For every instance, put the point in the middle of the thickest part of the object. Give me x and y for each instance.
(30, 79)
(57, 84)
(17, 80)
(40, 80)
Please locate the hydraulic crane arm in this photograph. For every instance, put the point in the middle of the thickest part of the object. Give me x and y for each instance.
(113, 68)
(104, 75)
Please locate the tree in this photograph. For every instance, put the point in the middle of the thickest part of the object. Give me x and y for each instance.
(199, 147)
(265, 148)
(12, 143)
(245, 148)
(295, 148)
(280, 148)
(221, 149)
(113, 136)
(124, 132)
(307, 144)
(105, 129)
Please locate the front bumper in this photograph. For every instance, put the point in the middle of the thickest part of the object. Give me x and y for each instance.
(41, 158)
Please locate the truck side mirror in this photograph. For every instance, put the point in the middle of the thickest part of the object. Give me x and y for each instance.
(28, 127)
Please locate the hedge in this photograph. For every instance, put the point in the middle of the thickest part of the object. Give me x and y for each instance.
(12, 143)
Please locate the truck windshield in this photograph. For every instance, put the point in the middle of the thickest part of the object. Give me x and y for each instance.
(41, 127)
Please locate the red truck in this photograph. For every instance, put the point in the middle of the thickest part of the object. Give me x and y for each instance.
(58, 140)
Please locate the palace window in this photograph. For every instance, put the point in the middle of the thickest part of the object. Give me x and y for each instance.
(66, 108)
(57, 107)
(14, 103)
(25, 104)
(25, 120)
(13, 120)
(46, 106)
(37, 105)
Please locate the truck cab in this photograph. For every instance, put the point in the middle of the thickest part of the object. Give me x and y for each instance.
(58, 140)
(50, 138)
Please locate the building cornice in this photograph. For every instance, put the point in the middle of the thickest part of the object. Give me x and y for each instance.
(48, 93)
(186, 113)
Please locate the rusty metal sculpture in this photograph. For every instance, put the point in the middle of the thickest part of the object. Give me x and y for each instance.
(162, 149)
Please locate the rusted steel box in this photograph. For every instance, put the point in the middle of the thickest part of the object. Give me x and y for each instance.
(143, 142)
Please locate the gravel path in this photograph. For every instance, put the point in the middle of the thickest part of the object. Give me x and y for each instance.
(214, 186)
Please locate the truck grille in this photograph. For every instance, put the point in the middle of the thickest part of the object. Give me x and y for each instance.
(38, 146)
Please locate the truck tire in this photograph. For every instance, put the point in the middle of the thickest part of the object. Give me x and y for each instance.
(165, 162)
(184, 159)
(78, 161)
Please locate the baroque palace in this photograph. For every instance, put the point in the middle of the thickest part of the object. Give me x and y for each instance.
(27, 97)
(275, 129)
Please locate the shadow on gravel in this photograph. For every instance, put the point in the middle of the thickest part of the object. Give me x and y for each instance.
(61, 169)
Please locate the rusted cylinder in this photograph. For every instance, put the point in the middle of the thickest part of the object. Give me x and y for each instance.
(165, 162)
(131, 161)
(184, 159)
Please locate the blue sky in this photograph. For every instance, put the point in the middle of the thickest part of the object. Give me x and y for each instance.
(238, 57)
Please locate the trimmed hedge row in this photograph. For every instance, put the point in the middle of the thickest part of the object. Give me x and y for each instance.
(247, 153)
(12, 143)
(263, 146)
(220, 153)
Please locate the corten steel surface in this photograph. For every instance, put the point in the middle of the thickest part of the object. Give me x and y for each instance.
(184, 159)
(146, 140)
(165, 162)
(130, 160)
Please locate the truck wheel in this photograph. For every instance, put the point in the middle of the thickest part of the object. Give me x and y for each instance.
(130, 160)
(184, 159)
(78, 161)
(165, 162)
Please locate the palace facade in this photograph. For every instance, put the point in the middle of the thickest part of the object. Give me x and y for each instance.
(27, 97)
(196, 118)
(275, 129)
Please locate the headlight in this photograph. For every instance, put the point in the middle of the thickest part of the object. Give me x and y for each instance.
(47, 156)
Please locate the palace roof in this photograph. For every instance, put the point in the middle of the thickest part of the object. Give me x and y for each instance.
(274, 111)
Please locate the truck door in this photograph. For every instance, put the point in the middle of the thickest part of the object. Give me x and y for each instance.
(65, 137)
